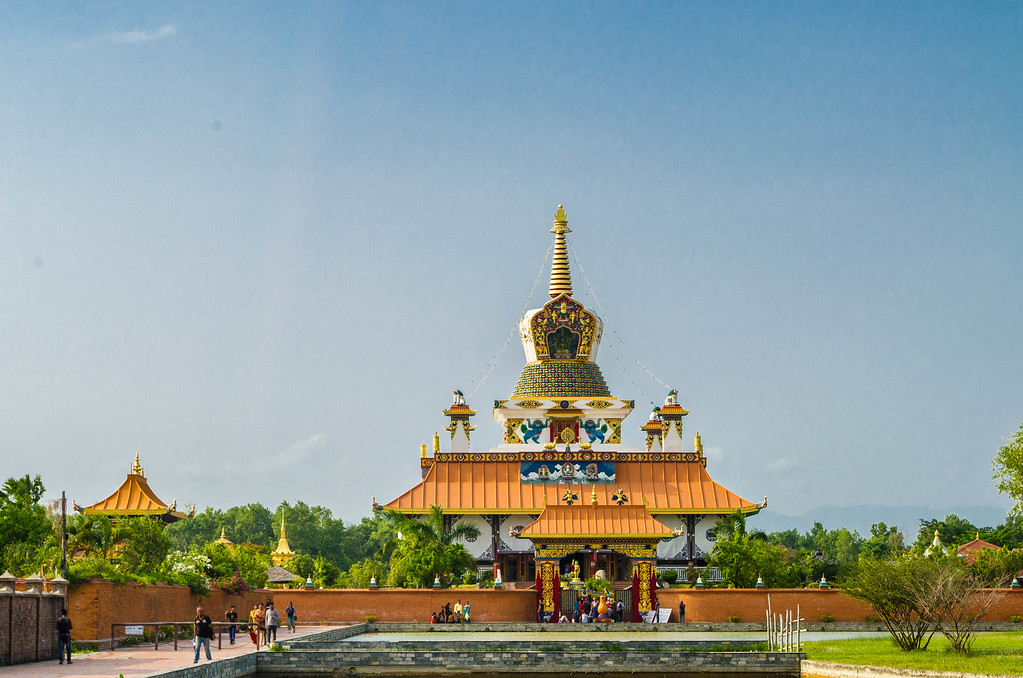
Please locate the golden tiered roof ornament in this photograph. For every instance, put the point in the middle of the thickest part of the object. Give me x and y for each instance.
(136, 467)
(561, 276)
(283, 553)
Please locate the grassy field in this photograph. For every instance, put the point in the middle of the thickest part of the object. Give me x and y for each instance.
(991, 653)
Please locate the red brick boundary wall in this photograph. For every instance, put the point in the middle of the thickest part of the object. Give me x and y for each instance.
(96, 605)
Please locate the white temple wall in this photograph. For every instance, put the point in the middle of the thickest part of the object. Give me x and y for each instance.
(676, 548)
(705, 536)
(479, 548)
(509, 543)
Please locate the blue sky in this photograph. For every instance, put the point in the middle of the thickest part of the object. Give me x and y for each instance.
(260, 243)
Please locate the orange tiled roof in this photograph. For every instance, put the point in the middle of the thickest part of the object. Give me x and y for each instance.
(133, 497)
(585, 522)
(970, 549)
(489, 486)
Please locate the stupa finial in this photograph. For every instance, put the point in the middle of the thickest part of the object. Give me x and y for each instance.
(136, 466)
(561, 277)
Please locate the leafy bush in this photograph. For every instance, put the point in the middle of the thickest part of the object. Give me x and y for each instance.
(1016, 618)
(669, 576)
(827, 618)
(734, 618)
(370, 618)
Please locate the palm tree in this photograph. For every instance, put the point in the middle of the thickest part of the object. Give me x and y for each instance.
(428, 548)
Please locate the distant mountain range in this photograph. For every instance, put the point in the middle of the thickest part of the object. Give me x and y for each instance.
(860, 518)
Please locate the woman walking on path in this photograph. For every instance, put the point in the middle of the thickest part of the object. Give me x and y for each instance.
(290, 614)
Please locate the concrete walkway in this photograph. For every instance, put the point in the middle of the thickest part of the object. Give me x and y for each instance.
(136, 662)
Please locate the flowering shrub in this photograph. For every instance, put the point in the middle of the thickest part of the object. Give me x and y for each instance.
(190, 569)
(235, 584)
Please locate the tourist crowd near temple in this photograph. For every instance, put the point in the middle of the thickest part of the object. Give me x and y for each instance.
(562, 494)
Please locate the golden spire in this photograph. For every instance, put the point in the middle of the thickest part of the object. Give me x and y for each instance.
(436, 442)
(698, 444)
(561, 277)
(223, 535)
(593, 496)
(136, 467)
(284, 535)
(422, 451)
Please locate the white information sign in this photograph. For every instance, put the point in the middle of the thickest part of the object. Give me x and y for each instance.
(133, 630)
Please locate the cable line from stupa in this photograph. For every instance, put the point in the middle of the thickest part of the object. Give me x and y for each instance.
(610, 326)
(489, 366)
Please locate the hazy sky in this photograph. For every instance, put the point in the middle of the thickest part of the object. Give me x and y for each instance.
(260, 243)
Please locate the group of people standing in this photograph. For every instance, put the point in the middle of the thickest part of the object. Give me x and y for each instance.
(264, 620)
(459, 614)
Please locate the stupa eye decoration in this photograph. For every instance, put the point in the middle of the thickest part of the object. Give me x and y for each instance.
(620, 497)
(570, 497)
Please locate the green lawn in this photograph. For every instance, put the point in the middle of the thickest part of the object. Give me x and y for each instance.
(991, 653)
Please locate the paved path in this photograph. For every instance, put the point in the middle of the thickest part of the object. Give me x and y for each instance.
(135, 662)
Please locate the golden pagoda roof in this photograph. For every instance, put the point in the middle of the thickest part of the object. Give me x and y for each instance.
(595, 522)
(134, 498)
(492, 485)
(223, 538)
(283, 548)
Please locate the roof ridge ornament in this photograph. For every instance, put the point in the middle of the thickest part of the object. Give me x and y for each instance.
(136, 467)
(561, 276)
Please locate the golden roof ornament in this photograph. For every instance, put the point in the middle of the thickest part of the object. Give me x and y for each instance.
(136, 467)
(593, 496)
(561, 277)
(698, 444)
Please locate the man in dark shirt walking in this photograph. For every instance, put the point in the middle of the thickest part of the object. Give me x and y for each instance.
(232, 618)
(64, 637)
(203, 633)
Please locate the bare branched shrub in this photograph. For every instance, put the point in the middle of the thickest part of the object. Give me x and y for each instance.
(890, 587)
(952, 598)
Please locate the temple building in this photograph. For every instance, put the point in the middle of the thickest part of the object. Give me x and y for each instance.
(562, 494)
(135, 498)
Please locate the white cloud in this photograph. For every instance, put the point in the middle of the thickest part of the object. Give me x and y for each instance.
(300, 451)
(781, 464)
(714, 454)
(141, 36)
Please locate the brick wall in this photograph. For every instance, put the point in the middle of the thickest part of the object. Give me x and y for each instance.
(28, 626)
(96, 605)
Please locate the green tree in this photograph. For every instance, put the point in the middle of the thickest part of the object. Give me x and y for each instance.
(744, 556)
(1008, 535)
(198, 530)
(245, 560)
(360, 574)
(26, 531)
(884, 542)
(426, 549)
(1008, 467)
(142, 546)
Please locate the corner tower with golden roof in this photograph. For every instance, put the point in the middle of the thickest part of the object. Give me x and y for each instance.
(135, 498)
(562, 440)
